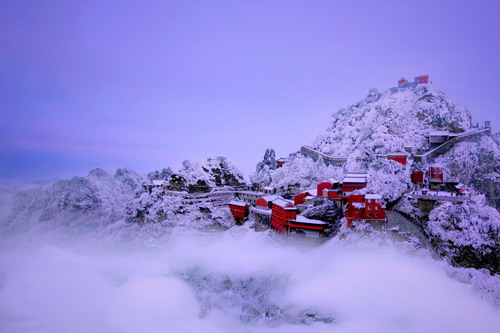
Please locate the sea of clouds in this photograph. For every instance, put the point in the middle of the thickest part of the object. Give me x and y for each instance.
(226, 281)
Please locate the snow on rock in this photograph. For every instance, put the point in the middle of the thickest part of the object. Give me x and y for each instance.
(202, 177)
(384, 122)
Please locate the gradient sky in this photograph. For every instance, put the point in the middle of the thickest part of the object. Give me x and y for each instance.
(148, 84)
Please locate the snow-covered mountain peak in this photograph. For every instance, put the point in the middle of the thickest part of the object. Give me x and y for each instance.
(388, 121)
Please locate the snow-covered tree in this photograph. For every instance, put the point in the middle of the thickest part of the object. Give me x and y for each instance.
(384, 122)
(469, 231)
(264, 168)
(163, 174)
(477, 164)
(389, 178)
(298, 173)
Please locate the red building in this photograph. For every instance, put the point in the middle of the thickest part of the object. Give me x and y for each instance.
(238, 208)
(305, 196)
(304, 227)
(422, 79)
(374, 208)
(283, 211)
(398, 156)
(326, 185)
(436, 174)
(280, 162)
(417, 177)
(355, 208)
(365, 208)
(266, 201)
(300, 198)
(350, 184)
(402, 81)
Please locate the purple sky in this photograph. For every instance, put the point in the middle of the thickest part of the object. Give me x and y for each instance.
(147, 84)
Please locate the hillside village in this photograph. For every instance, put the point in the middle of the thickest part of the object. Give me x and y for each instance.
(406, 162)
(349, 196)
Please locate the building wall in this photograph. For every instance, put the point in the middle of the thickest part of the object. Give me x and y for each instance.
(261, 202)
(239, 211)
(352, 187)
(399, 159)
(322, 186)
(299, 198)
(374, 210)
(417, 177)
(279, 217)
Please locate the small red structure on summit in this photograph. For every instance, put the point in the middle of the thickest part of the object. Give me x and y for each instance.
(421, 79)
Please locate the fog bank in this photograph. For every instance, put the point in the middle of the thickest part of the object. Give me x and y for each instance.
(226, 281)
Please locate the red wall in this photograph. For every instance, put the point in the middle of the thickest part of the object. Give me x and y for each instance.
(417, 177)
(239, 211)
(436, 173)
(423, 79)
(352, 187)
(374, 210)
(322, 186)
(299, 198)
(399, 159)
(261, 202)
(279, 217)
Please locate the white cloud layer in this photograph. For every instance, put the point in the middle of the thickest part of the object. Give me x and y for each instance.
(237, 280)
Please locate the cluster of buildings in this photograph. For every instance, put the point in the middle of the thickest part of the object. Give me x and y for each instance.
(286, 217)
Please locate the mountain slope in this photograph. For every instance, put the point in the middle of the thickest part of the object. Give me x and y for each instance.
(96, 199)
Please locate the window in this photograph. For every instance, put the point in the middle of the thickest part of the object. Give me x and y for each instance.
(369, 215)
(370, 207)
(376, 215)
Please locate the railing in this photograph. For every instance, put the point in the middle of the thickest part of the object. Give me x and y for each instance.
(314, 154)
(450, 143)
(396, 219)
(408, 224)
(441, 197)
